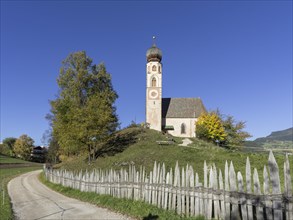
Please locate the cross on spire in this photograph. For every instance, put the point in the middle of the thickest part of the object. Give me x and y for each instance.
(154, 40)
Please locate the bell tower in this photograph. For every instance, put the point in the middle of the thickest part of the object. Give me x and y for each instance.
(154, 87)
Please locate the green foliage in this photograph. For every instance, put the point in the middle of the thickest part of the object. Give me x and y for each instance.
(136, 209)
(221, 130)
(7, 146)
(235, 134)
(83, 114)
(10, 160)
(133, 124)
(23, 147)
(209, 127)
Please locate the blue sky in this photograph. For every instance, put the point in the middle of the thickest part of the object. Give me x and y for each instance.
(235, 55)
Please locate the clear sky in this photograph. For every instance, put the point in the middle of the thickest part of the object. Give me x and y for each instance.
(235, 55)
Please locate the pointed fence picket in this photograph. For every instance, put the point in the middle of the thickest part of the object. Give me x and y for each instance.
(219, 197)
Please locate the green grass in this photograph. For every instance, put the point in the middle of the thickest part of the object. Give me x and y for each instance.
(138, 146)
(5, 160)
(136, 209)
(6, 174)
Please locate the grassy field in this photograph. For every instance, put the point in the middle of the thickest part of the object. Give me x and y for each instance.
(8, 172)
(136, 209)
(11, 160)
(138, 146)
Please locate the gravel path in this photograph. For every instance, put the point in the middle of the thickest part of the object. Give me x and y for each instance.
(32, 200)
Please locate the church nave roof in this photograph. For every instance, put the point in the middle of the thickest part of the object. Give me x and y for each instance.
(182, 107)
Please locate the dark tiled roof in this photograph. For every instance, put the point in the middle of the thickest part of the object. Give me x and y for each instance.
(182, 107)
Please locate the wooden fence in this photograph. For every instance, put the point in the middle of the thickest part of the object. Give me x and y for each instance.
(218, 197)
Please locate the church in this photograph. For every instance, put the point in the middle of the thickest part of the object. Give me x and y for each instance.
(176, 116)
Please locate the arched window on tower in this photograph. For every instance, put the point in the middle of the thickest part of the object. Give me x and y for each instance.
(154, 68)
(154, 82)
(159, 69)
(183, 128)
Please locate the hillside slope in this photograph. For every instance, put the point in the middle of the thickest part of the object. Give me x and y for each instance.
(138, 146)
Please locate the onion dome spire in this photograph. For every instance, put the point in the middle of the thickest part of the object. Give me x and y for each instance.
(154, 53)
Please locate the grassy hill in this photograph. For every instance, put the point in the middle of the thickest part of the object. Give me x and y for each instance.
(138, 146)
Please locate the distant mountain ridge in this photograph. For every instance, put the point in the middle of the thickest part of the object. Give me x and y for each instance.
(284, 135)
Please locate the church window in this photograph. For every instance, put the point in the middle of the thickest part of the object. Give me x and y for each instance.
(159, 69)
(149, 69)
(154, 82)
(154, 68)
(183, 128)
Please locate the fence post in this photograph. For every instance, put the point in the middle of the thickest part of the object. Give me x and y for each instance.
(217, 210)
(147, 190)
(176, 196)
(170, 190)
(160, 187)
(242, 197)
(163, 186)
(205, 186)
(166, 191)
(227, 189)
(288, 189)
(183, 191)
(233, 188)
(174, 188)
(248, 189)
(210, 194)
(276, 189)
(199, 210)
(222, 196)
(154, 183)
(266, 190)
(259, 210)
(150, 187)
(192, 191)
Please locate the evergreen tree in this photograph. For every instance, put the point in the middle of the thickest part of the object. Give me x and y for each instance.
(83, 115)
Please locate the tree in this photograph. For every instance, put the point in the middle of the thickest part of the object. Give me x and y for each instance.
(8, 145)
(23, 147)
(53, 151)
(210, 128)
(235, 134)
(48, 139)
(220, 129)
(83, 115)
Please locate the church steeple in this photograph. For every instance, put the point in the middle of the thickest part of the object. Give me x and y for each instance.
(154, 87)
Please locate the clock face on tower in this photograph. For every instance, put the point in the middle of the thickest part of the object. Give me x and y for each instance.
(153, 94)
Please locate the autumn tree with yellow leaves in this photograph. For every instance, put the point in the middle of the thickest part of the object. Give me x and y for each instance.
(209, 127)
(221, 130)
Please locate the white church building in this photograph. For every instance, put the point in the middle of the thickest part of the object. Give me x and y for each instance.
(176, 116)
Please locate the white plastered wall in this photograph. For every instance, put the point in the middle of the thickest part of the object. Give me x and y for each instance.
(177, 122)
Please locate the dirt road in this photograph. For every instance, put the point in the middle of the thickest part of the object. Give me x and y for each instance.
(32, 200)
